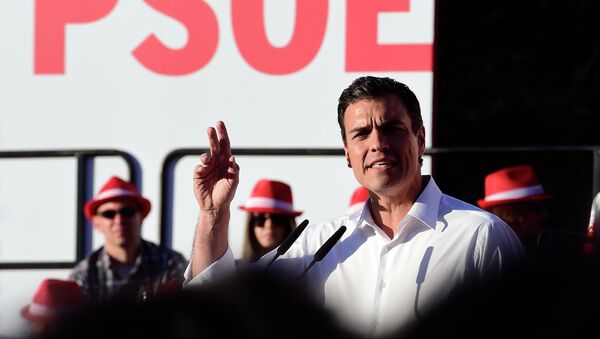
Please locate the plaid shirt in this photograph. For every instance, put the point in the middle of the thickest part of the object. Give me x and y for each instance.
(154, 267)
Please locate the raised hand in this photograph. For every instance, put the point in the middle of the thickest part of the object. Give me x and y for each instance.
(215, 181)
(217, 176)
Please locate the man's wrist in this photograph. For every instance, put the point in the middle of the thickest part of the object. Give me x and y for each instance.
(214, 218)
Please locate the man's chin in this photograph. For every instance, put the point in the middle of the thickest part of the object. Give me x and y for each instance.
(121, 241)
(383, 184)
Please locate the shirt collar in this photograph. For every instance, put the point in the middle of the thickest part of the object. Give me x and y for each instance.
(425, 209)
(427, 205)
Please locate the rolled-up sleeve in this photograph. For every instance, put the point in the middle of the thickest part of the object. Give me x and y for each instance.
(220, 269)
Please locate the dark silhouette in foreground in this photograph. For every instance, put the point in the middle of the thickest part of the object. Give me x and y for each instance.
(254, 305)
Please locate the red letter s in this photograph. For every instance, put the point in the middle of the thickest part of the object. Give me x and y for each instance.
(203, 37)
(51, 17)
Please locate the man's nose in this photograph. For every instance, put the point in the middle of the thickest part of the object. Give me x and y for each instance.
(379, 140)
(118, 219)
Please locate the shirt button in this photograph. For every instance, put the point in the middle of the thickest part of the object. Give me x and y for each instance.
(382, 285)
(384, 250)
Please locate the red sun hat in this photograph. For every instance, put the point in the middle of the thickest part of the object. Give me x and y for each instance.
(512, 185)
(53, 299)
(270, 196)
(360, 195)
(116, 189)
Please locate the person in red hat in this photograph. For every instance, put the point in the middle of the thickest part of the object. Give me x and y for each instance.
(127, 266)
(516, 195)
(271, 218)
(54, 300)
(358, 199)
(408, 250)
(593, 229)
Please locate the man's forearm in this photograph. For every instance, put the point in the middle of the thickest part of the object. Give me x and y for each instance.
(210, 240)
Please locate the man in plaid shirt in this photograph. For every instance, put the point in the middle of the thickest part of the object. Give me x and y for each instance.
(126, 267)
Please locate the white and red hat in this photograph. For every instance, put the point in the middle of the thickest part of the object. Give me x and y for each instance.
(270, 196)
(116, 189)
(511, 185)
(53, 299)
(357, 201)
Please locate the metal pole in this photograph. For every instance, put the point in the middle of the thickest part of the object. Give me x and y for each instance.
(167, 188)
(85, 189)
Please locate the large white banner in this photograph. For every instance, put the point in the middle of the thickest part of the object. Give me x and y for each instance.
(149, 76)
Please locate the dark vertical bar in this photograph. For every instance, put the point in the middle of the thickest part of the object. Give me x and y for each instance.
(85, 190)
(135, 171)
(436, 81)
(166, 203)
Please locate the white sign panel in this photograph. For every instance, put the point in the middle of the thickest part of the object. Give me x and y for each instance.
(147, 77)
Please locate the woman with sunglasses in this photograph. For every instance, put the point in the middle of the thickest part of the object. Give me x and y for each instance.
(271, 218)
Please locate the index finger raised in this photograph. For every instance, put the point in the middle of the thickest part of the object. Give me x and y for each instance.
(213, 142)
(223, 137)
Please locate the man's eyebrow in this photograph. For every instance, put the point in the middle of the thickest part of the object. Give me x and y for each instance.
(385, 124)
(359, 129)
(392, 122)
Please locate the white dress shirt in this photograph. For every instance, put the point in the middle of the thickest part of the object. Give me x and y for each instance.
(374, 284)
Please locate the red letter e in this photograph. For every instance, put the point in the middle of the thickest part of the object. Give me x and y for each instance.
(364, 54)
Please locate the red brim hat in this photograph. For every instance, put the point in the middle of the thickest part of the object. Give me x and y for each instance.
(270, 210)
(117, 189)
(28, 314)
(53, 299)
(270, 196)
(359, 196)
(491, 203)
(512, 185)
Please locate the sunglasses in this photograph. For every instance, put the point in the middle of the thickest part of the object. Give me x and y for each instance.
(276, 219)
(126, 212)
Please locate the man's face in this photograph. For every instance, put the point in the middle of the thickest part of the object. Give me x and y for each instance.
(380, 145)
(120, 229)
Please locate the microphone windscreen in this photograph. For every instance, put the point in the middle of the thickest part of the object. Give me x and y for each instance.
(328, 245)
(287, 243)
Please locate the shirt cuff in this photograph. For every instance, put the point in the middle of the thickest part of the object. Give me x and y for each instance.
(223, 267)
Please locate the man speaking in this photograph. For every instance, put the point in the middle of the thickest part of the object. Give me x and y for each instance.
(408, 249)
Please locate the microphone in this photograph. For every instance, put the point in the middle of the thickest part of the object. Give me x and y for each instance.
(287, 243)
(322, 252)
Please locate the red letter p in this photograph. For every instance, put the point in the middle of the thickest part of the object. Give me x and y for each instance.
(51, 17)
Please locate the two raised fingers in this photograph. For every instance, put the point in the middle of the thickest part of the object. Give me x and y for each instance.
(218, 140)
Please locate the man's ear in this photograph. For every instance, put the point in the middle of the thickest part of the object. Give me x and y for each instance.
(421, 140)
(347, 157)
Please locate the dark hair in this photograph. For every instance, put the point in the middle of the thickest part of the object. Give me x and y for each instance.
(252, 249)
(370, 87)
